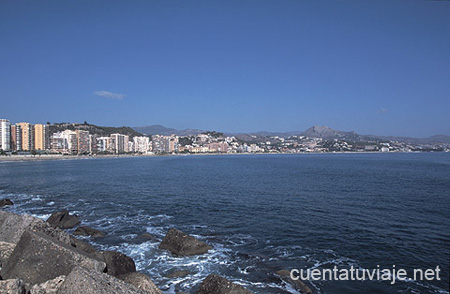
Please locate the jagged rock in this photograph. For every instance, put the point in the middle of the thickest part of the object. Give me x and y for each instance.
(214, 284)
(88, 231)
(5, 251)
(178, 274)
(6, 201)
(38, 258)
(140, 281)
(299, 285)
(180, 243)
(49, 287)
(62, 219)
(81, 280)
(12, 286)
(13, 225)
(116, 263)
(81, 245)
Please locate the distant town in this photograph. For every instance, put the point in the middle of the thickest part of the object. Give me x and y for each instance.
(24, 138)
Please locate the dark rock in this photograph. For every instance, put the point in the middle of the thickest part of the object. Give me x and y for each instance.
(147, 236)
(38, 258)
(12, 286)
(83, 281)
(6, 201)
(298, 285)
(140, 281)
(178, 274)
(81, 245)
(214, 284)
(49, 287)
(116, 262)
(62, 219)
(88, 231)
(180, 243)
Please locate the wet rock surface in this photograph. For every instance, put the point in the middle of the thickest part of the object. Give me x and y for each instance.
(215, 284)
(298, 285)
(182, 244)
(5, 202)
(62, 219)
(140, 281)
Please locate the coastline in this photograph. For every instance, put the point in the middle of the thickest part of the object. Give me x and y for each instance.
(25, 158)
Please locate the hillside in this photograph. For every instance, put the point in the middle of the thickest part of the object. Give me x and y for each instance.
(93, 129)
(162, 130)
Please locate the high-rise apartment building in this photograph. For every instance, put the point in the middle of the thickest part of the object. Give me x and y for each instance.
(72, 141)
(83, 141)
(5, 135)
(118, 143)
(41, 137)
(16, 138)
(141, 144)
(27, 136)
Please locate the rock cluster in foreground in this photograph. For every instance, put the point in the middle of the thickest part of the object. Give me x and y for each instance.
(38, 257)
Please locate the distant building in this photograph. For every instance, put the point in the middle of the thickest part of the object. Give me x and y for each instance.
(103, 144)
(83, 144)
(119, 143)
(164, 144)
(72, 141)
(141, 144)
(59, 143)
(41, 137)
(27, 136)
(5, 135)
(16, 138)
(218, 147)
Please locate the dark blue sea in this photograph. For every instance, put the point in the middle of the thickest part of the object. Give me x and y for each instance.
(262, 213)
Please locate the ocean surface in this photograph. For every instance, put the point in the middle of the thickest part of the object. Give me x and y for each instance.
(261, 213)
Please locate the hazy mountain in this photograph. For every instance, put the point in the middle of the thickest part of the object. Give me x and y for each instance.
(323, 132)
(162, 130)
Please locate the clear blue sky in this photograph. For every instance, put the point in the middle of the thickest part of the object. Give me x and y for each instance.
(375, 67)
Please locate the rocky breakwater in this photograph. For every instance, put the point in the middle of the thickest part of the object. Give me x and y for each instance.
(37, 258)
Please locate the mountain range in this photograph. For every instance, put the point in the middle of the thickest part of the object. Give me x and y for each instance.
(323, 132)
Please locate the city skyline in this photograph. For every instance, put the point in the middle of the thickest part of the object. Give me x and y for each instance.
(375, 68)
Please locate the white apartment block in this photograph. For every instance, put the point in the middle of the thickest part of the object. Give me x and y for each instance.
(141, 144)
(5, 135)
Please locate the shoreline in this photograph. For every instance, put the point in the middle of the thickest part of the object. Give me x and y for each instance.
(26, 158)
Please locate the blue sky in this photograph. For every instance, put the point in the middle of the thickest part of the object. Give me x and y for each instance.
(375, 67)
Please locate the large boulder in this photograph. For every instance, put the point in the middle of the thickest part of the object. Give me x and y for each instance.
(5, 251)
(214, 284)
(12, 286)
(50, 287)
(180, 243)
(38, 258)
(116, 263)
(82, 280)
(140, 281)
(13, 225)
(81, 245)
(62, 219)
(285, 275)
(88, 231)
(6, 201)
